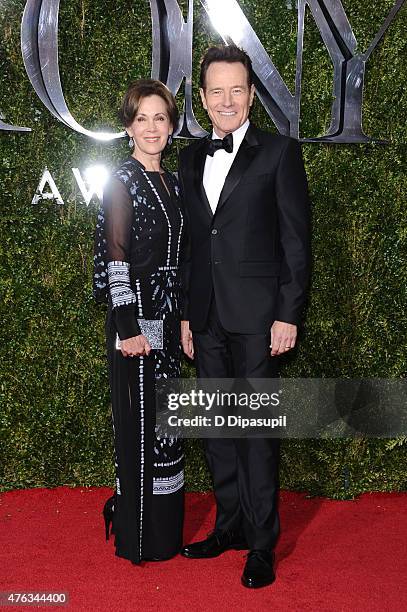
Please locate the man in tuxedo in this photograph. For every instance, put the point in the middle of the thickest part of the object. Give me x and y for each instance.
(245, 193)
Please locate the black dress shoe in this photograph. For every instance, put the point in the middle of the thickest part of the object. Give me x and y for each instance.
(214, 545)
(108, 511)
(258, 571)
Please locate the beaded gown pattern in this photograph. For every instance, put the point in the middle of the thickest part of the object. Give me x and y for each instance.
(139, 244)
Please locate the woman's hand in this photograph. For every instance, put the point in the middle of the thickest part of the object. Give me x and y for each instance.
(137, 346)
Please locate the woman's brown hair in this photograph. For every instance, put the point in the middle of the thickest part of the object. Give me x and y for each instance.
(142, 89)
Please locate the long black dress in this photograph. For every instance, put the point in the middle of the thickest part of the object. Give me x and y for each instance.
(141, 232)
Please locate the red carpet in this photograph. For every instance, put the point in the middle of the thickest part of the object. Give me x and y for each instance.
(332, 556)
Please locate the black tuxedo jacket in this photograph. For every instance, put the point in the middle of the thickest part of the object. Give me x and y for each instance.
(254, 252)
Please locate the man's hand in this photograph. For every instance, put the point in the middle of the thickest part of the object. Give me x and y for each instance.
(137, 346)
(186, 340)
(282, 337)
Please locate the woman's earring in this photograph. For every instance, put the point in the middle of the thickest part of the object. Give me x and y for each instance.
(131, 142)
(169, 141)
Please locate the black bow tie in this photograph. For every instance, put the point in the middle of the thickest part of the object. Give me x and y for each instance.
(217, 143)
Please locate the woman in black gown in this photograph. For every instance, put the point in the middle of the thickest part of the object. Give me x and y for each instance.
(139, 239)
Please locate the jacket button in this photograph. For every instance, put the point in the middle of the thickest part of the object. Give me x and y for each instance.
(214, 231)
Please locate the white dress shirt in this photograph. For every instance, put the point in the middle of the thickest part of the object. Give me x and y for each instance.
(217, 167)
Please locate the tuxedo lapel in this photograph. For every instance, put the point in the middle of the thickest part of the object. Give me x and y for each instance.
(243, 159)
(199, 166)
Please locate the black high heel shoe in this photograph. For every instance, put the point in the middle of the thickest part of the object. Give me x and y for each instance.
(108, 512)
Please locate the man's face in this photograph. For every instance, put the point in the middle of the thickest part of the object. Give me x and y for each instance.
(227, 96)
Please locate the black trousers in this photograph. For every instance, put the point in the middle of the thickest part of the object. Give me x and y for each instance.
(244, 470)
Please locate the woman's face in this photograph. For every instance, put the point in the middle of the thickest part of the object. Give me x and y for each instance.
(151, 127)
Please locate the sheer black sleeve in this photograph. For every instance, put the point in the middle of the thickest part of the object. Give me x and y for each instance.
(185, 257)
(118, 213)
